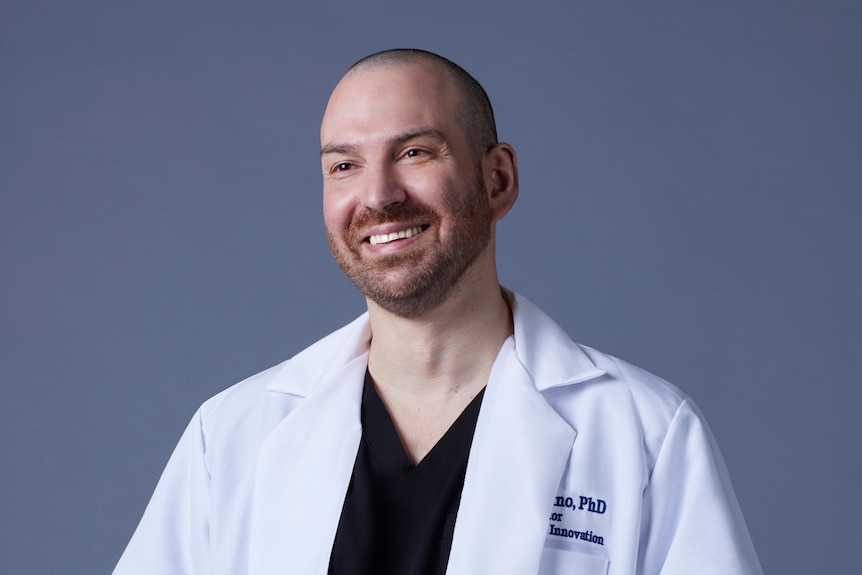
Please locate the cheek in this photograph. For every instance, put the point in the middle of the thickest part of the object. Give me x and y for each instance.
(336, 212)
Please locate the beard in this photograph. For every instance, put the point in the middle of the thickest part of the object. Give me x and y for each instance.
(416, 281)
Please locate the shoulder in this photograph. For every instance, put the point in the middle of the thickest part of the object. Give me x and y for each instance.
(286, 383)
(596, 393)
(625, 405)
(239, 401)
(649, 392)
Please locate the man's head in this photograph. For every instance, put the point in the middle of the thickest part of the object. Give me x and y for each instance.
(413, 180)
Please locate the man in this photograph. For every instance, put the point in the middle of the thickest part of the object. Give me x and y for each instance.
(454, 428)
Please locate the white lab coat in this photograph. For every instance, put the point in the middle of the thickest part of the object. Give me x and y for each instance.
(580, 463)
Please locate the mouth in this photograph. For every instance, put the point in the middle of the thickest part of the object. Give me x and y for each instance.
(379, 239)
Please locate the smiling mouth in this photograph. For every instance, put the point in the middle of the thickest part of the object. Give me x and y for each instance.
(400, 235)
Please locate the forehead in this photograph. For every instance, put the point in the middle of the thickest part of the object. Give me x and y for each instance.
(389, 99)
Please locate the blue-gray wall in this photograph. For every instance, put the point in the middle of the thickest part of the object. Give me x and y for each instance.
(690, 201)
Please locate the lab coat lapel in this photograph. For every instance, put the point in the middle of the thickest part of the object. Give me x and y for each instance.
(303, 471)
(520, 449)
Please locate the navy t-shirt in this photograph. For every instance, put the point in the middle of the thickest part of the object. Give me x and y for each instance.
(399, 519)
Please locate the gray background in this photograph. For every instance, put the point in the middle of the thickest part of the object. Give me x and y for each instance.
(690, 202)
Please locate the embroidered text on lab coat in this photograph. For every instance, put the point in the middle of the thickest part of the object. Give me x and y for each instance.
(583, 503)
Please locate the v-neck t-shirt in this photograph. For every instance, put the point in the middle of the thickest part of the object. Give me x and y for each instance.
(398, 519)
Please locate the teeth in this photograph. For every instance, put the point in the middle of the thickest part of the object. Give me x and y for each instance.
(386, 238)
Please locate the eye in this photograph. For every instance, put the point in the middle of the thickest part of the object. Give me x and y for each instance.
(413, 152)
(342, 167)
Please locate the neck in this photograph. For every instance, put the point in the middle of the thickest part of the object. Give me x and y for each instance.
(447, 351)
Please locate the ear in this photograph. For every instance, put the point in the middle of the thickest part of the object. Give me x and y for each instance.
(500, 171)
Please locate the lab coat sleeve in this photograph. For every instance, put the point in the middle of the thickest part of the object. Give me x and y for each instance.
(172, 537)
(691, 521)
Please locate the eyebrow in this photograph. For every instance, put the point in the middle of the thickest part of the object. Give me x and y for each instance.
(422, 132)
(337, 149)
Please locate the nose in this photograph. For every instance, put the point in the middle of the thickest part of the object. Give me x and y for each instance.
(383, 189)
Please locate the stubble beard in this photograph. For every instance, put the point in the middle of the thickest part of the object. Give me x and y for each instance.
(424, 278)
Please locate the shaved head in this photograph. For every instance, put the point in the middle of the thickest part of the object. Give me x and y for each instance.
(475, 115)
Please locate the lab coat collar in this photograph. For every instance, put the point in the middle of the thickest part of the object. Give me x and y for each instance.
(300, 374)
(547, 353)
(520, 450)
(303, 469)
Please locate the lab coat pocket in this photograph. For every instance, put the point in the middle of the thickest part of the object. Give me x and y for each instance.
(560, 561)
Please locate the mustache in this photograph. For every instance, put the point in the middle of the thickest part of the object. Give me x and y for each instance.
(400, 214)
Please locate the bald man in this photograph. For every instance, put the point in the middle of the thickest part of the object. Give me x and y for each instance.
(454, 427)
